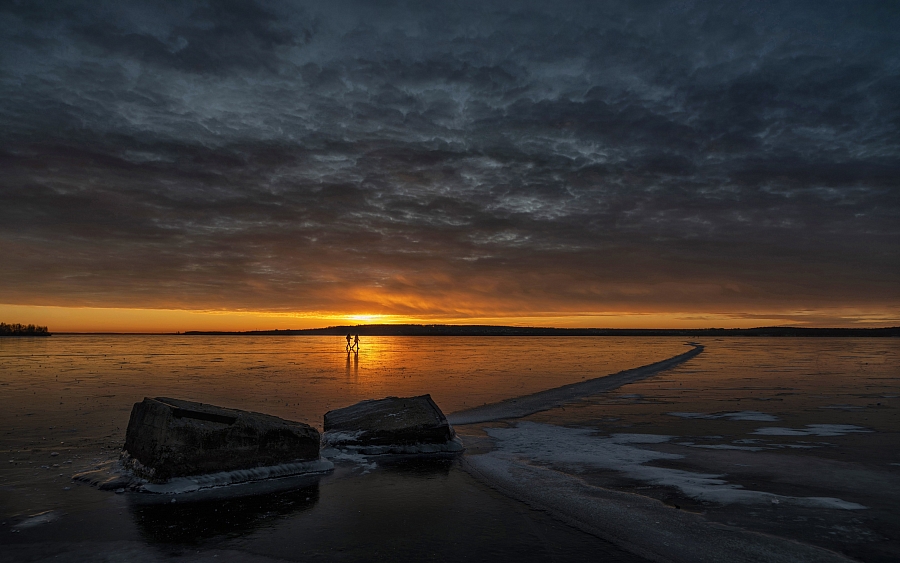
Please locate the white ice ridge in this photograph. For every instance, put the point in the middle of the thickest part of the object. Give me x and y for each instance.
(755, 416)
(529, 404)
(334, 437)
(209, 480)
(580, 449)
(811, 430)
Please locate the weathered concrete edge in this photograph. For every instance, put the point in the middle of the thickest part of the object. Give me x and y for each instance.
(640, 525)
(525, 405)
(116, 476)
(239, 476)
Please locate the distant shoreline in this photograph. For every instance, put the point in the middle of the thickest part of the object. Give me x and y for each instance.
(18, 329)
(26, 334)
(490, 330)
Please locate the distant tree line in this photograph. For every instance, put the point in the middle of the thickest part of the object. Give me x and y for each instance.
(491, 330)
(16, 329)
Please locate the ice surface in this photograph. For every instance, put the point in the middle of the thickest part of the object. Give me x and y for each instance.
(722, 447)
(742, 415)
(336, 443)
(639, 438)
(811, 430)
(581, 449)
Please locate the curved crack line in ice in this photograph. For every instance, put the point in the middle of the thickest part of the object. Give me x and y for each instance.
(525, 405)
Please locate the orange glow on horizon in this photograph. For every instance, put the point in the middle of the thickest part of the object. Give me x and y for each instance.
(86, 319)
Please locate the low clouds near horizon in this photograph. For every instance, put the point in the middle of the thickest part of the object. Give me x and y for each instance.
(451, 160)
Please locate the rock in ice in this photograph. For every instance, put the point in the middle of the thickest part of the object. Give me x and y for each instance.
(391, 425)
(169, 438)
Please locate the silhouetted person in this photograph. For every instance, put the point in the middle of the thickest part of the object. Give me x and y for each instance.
(356, 342)
(349, 346)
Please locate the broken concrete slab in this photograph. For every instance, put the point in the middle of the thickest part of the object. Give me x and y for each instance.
(391, 425)
(169, 438)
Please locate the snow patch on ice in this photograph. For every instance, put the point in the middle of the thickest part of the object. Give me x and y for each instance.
(580, 449)
(750, 445)
(755, 416)
(826, 502)
(37, 519)
(811, 430)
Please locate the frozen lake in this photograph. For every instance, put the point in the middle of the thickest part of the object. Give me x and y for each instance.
(743, 435)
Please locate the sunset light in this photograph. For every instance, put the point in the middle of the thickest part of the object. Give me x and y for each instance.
(503, 281)
(388, 319)
(100, 319)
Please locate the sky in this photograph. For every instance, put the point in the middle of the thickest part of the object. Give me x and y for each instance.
(237, 165)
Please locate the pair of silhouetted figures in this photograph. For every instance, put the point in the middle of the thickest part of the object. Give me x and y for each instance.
(352, 342)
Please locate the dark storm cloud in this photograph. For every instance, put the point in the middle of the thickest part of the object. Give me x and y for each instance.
(466, 157)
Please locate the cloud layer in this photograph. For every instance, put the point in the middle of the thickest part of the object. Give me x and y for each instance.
(461, 159)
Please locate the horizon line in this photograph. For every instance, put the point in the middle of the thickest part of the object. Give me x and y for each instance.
(400, 326)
